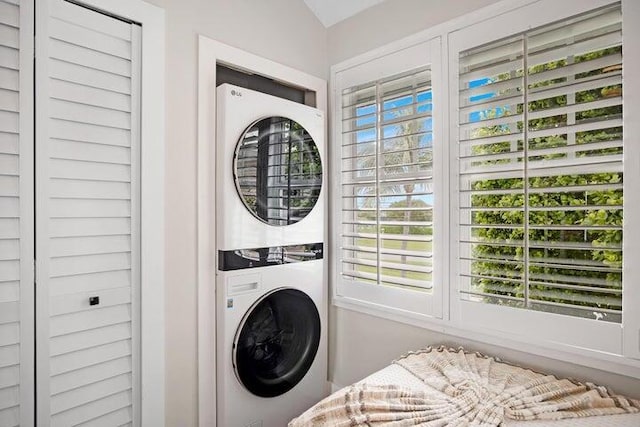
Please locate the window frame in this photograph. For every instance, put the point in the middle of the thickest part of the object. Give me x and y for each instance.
(543, 327)
(612, 347)
(391, 300)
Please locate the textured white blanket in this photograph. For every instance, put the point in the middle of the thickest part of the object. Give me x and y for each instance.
(464, 389)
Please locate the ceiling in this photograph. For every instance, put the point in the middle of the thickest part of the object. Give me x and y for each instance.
(330, 12)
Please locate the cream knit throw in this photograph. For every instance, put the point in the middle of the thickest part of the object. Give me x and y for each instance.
(464, 389)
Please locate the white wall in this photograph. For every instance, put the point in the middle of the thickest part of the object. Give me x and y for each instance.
(281, 30)
(360, 344)
(391, 20)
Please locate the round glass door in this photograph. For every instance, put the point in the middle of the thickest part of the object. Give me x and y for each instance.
(277, 342)
(278, 171)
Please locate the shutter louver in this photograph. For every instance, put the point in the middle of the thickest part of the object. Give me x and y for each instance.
(90, 219)
(541, 186)
(16, 218)
(10, 217)
(387, 194)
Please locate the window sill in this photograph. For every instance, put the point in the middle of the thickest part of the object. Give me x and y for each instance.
(608, 362)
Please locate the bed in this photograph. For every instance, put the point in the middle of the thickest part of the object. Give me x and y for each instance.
(453, 387)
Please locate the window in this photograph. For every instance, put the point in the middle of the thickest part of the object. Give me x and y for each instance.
(387, 163)
(540, 176)
(517, 221)
(541, 186)
(387, 189)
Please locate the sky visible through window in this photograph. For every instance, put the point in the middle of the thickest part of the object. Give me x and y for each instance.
(367, 118)
(390, 108)
(478, 115)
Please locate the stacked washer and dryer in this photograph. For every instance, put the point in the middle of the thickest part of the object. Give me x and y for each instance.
(270, 285)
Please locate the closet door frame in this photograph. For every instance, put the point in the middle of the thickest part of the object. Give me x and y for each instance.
(151, 201)
(27, 226)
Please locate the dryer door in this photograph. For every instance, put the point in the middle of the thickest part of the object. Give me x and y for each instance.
(278, 171)
(277, 342)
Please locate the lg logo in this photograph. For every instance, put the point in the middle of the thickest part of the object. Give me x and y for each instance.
(236, 93)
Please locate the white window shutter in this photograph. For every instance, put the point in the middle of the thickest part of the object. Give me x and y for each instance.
(541, 173)
(16, 217)
(387, 182)
(389, 177)
(87, 222)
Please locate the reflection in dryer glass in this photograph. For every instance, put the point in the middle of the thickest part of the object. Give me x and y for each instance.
(278, 171)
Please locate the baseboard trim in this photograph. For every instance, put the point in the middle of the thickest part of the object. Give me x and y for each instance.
(333, 387)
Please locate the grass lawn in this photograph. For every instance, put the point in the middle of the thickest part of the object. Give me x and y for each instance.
(389, 258)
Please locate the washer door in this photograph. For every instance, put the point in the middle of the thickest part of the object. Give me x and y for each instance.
(278, 171)
(276, 342)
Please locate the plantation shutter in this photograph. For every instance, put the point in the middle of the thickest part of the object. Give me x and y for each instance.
(387, 182)
(16, 217)
(540, 169)
(87, 217)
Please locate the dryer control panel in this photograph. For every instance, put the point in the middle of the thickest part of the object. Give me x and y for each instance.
(262, 257)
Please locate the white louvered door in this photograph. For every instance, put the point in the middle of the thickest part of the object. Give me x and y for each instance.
(87, 217)
(16, 214)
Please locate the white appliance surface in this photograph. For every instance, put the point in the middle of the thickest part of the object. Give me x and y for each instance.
(239, 290)
(237, 109)
(236, 405)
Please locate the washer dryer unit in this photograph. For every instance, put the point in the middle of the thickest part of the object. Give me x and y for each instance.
(271, 295)
(269, 153)
(272, 342)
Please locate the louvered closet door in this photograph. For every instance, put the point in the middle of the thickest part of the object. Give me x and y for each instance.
(16, 217)
(87, 217)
